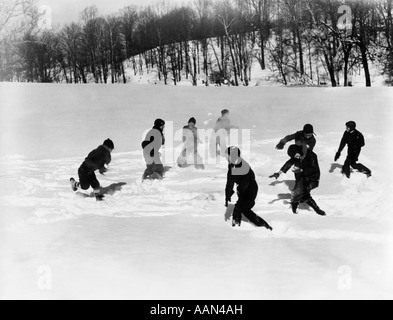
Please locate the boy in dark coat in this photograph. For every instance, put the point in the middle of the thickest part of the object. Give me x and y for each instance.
(307, 174)
(355, 142)
(151, 151)
(240, 173)
(96, 160)
(190, 147)
(304, 138)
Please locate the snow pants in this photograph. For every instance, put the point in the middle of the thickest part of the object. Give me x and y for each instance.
(153, 168)
(301, 192)
(190, 156)
(245, 204)
(87, 178)
(357, 166)
(351, 161)
(219, 143)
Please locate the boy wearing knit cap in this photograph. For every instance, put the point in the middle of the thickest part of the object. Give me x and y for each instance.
(304, 138)
(98, 159)
(190, 147)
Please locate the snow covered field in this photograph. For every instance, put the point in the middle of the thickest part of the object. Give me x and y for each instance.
(171, 239)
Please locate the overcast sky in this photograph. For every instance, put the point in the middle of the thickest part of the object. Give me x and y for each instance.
(65, 11)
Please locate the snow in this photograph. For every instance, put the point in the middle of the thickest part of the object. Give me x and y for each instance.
(270, 77)
(172, 239)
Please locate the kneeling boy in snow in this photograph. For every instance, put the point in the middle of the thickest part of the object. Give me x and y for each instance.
(240, 172)
(96, 160)
(307, 174)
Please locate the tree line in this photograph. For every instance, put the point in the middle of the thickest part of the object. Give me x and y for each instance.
(300, 41)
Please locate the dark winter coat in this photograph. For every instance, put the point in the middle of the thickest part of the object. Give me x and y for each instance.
(155, 137)
(98, 158)
(300, 139)
(309, 166)
(355, 142)
(242, 175)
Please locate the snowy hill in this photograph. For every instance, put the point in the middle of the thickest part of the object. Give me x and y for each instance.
(137, 72)
(259, 77)
(172, 239)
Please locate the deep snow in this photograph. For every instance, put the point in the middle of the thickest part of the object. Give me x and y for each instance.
(170, 239)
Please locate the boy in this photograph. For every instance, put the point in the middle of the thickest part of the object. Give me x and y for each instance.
(240, 172)
(304, 138)
(222, 130)
(96, 160)
(151, 151)
(190, 147)
(355, 141)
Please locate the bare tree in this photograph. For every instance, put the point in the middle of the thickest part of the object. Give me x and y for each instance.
(129, 20)
(17, 18)
(323, 15)
(385, 9)
(75, 52)
(293, 12)
(227, 18)
(203, 31)
(261, 21)
(363, 11)
(91, 38)
(15, 15)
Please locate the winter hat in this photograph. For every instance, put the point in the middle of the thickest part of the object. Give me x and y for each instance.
(224, 112)
(308, 129)
(159, 123)
(294, 149)
(351, 125)
(192, 120)
(109, 143)
(234, 154)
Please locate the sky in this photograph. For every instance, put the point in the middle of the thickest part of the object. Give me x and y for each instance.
(66, 11)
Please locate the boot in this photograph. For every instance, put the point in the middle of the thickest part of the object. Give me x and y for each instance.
(99, 197)
(74, 185)
(294, 206)
(311, 202)
(259, 222)
(236, 219)
(145, 175)
(346, 171)
(363, 169)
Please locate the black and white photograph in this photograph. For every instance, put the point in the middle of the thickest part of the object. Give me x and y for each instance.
(196, 150)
